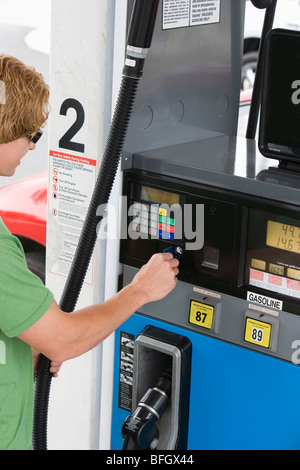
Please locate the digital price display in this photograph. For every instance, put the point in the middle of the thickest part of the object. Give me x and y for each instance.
(283, 236)
(273, 253)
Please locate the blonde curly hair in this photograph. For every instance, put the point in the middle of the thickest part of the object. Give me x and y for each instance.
(24, 100)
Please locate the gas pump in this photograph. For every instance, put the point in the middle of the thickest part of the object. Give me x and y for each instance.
(214, 364)
(236, 304)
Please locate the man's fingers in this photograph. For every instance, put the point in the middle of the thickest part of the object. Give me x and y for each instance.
(176, 271)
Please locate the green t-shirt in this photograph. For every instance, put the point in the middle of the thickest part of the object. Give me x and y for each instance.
(23, 300)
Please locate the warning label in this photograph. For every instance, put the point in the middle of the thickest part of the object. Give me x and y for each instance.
(72, 179)
(126, 371)
(183, 13)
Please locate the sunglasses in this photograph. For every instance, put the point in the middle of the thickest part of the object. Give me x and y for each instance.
(36, 137)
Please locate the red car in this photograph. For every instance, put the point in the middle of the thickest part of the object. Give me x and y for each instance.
(23, 209)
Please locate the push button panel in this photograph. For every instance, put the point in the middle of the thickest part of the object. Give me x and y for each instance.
(204, 312)
(261, 330)
(154, 221)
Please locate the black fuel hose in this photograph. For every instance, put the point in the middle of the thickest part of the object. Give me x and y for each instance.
(141, 27)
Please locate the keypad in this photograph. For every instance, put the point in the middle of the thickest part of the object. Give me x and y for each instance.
(153, 220)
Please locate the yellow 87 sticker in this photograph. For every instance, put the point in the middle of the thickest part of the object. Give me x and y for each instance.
(201, 314)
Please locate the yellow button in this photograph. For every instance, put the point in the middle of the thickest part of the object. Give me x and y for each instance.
(258, 332)
(162, 211)
(201, 314)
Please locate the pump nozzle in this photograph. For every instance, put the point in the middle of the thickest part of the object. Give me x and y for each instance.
(139, 430)
(142, 23)
(140, 36)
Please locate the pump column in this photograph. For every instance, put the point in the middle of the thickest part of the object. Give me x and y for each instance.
(83, 90)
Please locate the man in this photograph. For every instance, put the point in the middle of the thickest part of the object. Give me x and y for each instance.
(30, 319)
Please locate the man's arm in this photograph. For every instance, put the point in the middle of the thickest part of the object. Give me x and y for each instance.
(61, 336)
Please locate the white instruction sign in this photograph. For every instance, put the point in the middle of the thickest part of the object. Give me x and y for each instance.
(183, 13)
(72, 180)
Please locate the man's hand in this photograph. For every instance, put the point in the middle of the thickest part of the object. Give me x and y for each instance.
(54, 367)
(157, 278)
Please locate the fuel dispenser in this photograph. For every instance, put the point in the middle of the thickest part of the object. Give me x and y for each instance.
(214, 365)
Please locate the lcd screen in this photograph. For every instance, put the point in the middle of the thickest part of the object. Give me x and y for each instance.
(279, 135)
(159, 196)
(283, 236)
(273, 253)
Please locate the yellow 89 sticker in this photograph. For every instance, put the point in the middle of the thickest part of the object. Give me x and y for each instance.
(201, 314)
(258, 332)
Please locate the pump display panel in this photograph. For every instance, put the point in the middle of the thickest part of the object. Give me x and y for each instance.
(280, 110)
(161, 217)
(248, 246)
(273, 253)
(154, 213)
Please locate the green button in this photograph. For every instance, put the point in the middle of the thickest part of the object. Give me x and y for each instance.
(162, 219)
(170, 221)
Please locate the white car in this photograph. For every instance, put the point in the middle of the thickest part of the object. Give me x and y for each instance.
(287, 17)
